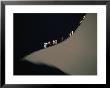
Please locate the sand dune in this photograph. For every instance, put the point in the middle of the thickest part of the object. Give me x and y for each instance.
(77, 55)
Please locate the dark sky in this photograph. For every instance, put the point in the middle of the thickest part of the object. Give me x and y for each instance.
(32, 30)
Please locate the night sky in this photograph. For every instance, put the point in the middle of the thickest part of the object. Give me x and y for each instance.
(32, 30)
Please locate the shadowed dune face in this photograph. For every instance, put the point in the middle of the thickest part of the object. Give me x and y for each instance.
(77, 55)
(28, 68)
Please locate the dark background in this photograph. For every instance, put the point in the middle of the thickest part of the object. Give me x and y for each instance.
(32, 30)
